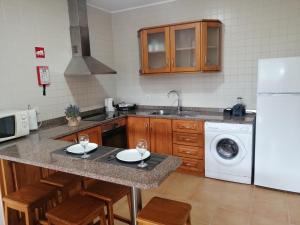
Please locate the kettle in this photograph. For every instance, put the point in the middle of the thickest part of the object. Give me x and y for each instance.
(109, 105)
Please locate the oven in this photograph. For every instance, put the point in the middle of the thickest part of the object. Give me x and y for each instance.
(116, 136)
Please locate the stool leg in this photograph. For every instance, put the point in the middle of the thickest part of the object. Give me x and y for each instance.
(102, 218)
(5, 214)
(28, 217)
(110, 213)
(129, 197)
(188, 222)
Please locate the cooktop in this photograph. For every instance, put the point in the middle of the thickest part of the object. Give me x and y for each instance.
(101, 117)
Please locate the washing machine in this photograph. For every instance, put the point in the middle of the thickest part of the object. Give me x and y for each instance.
(229, 151)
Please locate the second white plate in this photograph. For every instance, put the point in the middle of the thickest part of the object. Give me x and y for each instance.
(131, 155)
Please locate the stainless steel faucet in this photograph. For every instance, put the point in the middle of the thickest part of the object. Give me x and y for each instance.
(177, 93)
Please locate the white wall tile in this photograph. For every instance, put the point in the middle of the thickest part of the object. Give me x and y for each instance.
(30, 23)
(252, 30)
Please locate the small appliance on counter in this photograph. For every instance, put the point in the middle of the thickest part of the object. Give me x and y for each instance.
(125, 106)
(13, 124)
(239, 109)
(32, 118)
(227, 112)
(109, 105)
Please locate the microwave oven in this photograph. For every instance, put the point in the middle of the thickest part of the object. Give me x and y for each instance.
(13, 124)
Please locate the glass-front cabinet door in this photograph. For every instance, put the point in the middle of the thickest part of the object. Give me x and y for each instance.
(155, 50)
(211, 46)
(185, 47)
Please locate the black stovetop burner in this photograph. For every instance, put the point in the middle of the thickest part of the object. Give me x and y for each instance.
(101, 117)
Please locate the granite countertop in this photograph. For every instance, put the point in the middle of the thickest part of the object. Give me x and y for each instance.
(196, 115)
(38, 148)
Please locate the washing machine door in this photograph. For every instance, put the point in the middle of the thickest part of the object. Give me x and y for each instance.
(227, 149)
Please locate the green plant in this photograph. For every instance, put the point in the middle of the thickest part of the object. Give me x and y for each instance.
(72, 111)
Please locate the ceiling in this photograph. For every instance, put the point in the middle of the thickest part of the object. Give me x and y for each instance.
(115, 6)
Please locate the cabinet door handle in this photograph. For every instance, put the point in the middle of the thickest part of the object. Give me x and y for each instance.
(172, 62)
(146, 125)
(205, 59)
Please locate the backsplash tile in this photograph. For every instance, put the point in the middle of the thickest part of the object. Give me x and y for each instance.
(252, 30)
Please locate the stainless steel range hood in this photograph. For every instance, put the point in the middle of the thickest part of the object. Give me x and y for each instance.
(82, 63)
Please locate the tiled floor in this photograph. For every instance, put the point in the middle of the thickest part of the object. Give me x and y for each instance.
(217, 202)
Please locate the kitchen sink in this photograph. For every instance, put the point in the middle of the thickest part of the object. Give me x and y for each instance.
(174, 113)
(163, 112)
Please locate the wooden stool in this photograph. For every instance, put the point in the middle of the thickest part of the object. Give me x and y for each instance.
(109, 193)
(165, 212)
(77, 210)
(27, 199)
(67, 184)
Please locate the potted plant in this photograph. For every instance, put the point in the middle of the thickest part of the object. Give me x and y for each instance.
(72, 115)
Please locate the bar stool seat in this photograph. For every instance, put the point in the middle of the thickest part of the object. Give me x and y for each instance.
(68, 184)
(165, 212)
(77, 210)
(110, 193)
(27, 199)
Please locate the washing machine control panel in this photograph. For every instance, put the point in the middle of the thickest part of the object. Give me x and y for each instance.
(230, 127)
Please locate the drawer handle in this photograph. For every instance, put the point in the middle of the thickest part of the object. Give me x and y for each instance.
(185, 139)
(187, 164)
(186, 152)
(185, 127)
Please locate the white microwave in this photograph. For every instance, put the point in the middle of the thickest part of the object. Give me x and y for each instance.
(13, 124)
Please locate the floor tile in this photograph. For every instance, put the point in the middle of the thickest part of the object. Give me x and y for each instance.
(224, 216)
(216, 202)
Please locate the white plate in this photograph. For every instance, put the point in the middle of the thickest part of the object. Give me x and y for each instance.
(131, 155)
(78, 149)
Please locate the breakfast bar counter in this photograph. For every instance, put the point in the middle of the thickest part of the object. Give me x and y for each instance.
(41, 150)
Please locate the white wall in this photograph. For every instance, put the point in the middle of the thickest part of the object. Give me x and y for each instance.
(252, 30)
(29, 23)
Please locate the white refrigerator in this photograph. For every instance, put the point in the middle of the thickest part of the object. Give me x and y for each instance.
(277, 148)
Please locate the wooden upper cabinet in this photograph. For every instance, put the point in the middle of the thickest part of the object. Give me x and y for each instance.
(94, 134)
(155, 50)
(185, 47)
(137, 129)
(211, 46)
(181, 48)
(161, 136)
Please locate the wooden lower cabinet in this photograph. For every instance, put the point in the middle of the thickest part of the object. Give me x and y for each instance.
(182, 138)
(192, 166)
(188, 144)
(70, 138)
(94, 134)
(161, 136)
(188, 139)
(188, 151)
(137, 129)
